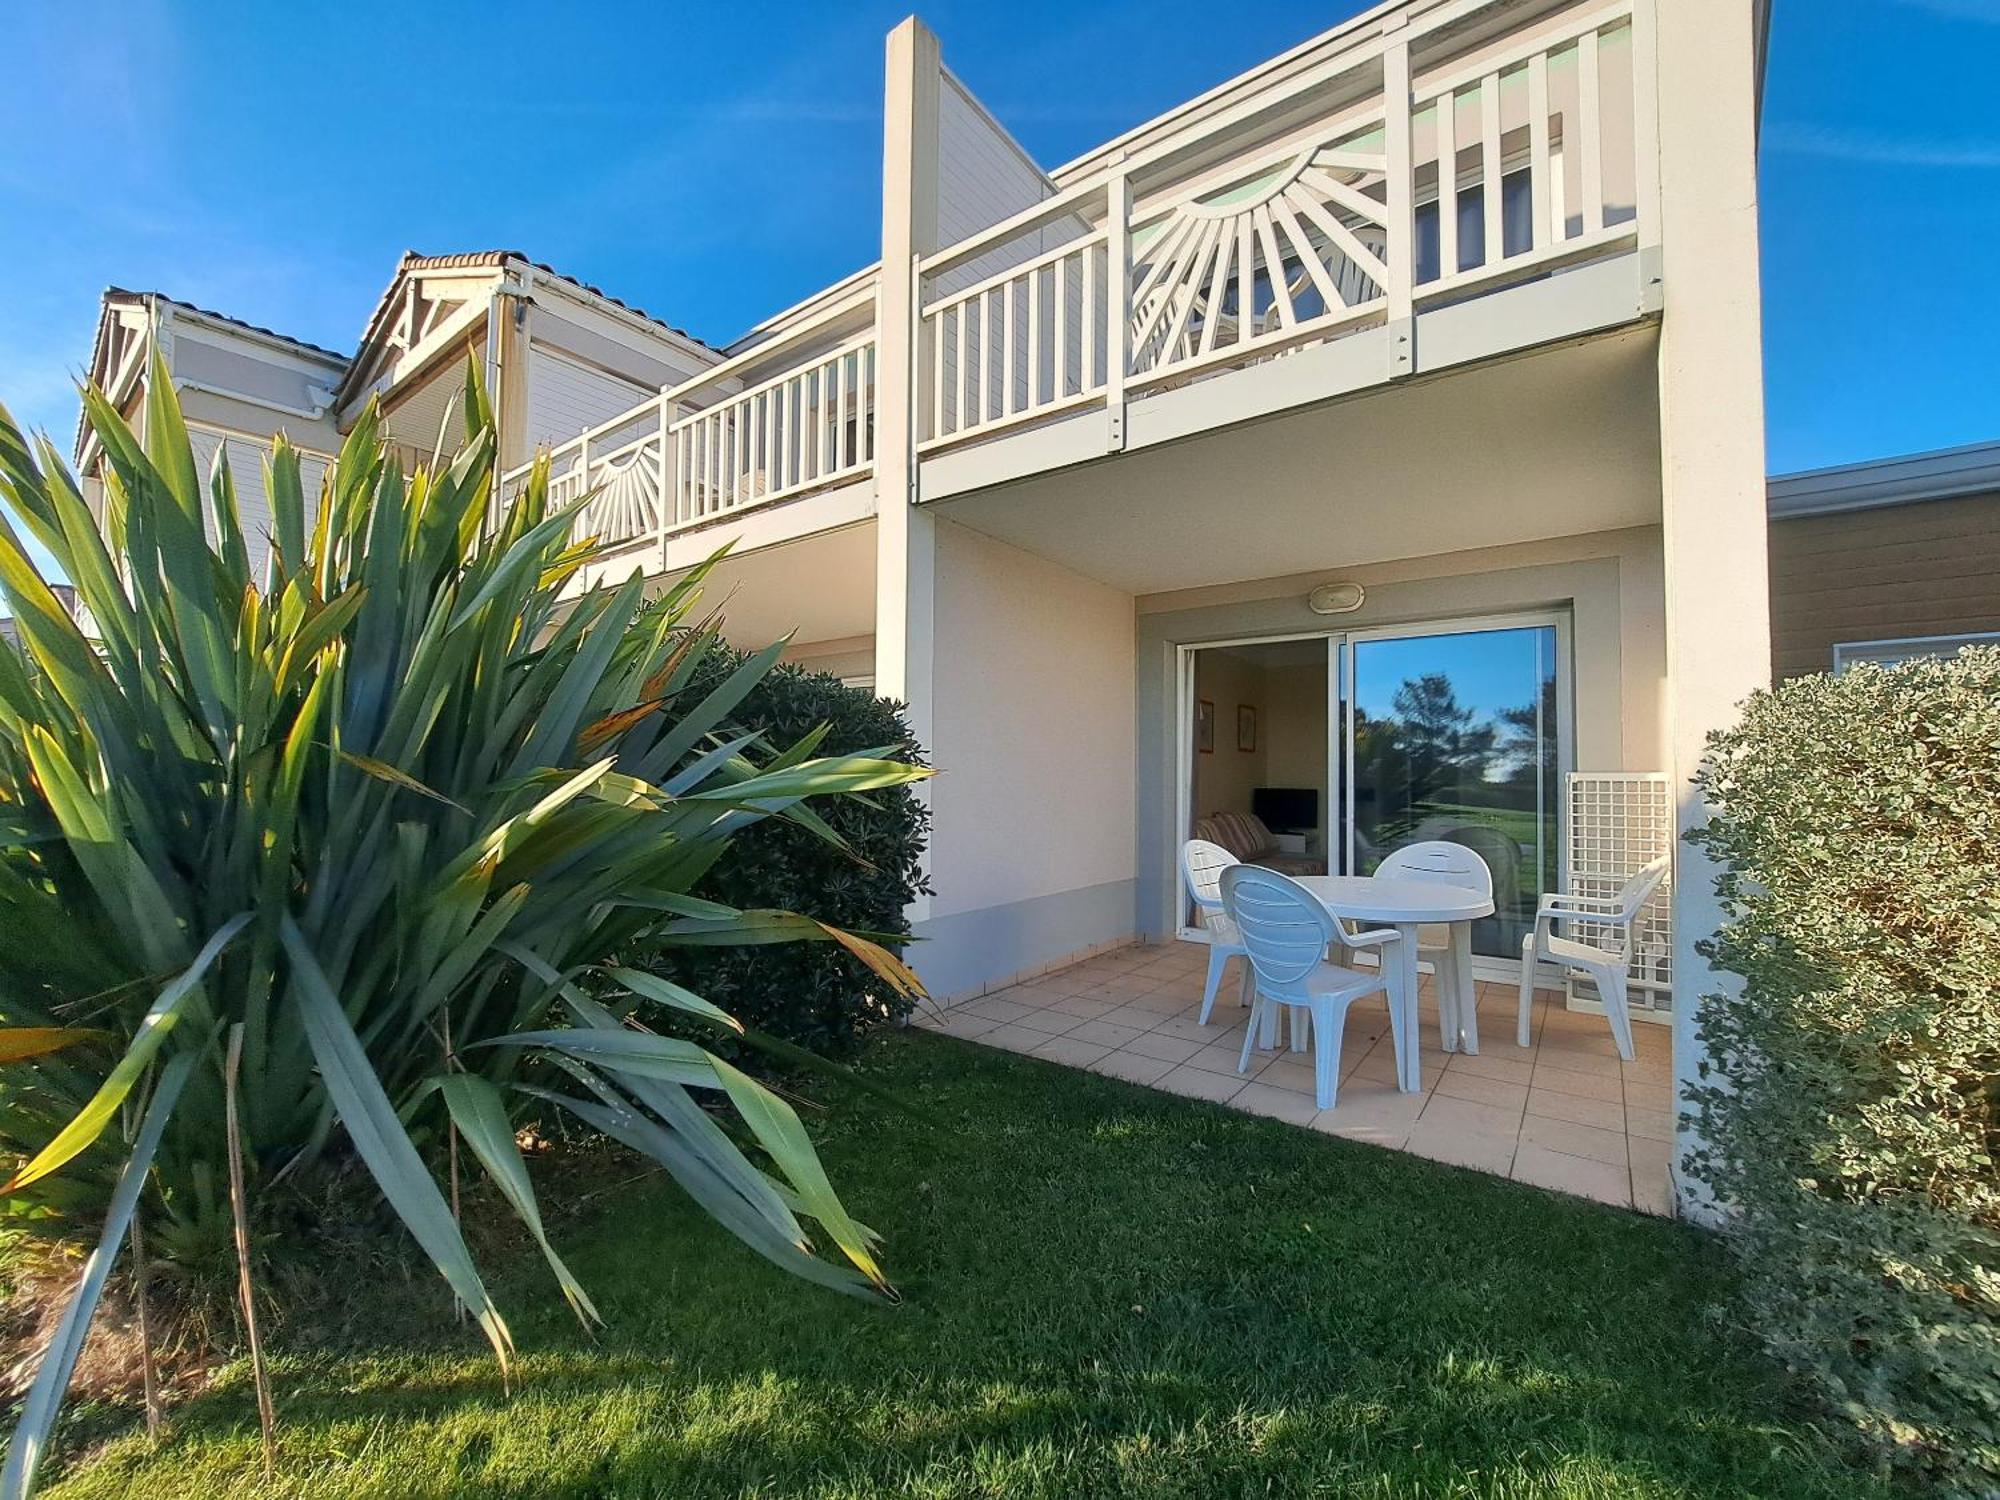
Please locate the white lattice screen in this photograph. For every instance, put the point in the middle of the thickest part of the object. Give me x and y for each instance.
(1620, 821)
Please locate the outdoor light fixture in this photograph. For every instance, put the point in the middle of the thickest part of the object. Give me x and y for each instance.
(1336, 598)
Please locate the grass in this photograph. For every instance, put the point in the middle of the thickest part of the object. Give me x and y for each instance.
(1109, 1292)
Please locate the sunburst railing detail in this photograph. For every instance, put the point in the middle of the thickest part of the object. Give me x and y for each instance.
(1368, 191)
(1330, 217)
(1265, 253)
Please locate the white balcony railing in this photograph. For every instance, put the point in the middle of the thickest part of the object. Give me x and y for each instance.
(713, 445)
(804, 430)
(1400, 173)
(1398, 196)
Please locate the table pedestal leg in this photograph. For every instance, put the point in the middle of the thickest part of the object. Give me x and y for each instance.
(1411, 1071)
(1468, 992)
(1444, 984)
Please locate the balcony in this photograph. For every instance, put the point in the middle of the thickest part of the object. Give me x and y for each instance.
(1356, 218)
(1387, 191)
(791, 416)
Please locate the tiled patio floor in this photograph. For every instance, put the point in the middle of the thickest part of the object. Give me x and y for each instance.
(1563, 1113)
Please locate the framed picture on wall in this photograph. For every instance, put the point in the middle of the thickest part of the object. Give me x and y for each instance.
(1246, 726)
(1204, 726)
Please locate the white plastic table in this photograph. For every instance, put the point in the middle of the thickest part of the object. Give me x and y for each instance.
(1407, 905)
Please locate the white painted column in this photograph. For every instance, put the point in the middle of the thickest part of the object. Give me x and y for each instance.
(1711, 441)
(905, 545)
(1402, 218)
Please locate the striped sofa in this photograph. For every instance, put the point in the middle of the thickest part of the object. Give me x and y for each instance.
(1245, 836)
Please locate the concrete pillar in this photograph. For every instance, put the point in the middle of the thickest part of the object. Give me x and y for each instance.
(1711, 442)
(905, 542)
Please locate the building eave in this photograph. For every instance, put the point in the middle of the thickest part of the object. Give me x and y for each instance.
(501, 264)
(1907, 479)
(161, 307)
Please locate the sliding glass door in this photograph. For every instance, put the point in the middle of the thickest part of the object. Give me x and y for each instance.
(1328, 752)
(1456, 734)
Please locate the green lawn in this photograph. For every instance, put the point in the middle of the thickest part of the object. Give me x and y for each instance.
(1109, 1292)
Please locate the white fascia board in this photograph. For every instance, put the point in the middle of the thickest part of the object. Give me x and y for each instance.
(410, 363)
(1243, 85)
(418, 362)
(126, 377)
(278, 344)
(538, 281)
(119, 384)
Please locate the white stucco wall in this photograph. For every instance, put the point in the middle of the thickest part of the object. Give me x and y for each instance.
(1715, 525)
(1034, 736)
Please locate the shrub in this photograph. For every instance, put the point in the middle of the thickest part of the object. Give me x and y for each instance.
(819, 995)
(380, 815)
(1857, 820)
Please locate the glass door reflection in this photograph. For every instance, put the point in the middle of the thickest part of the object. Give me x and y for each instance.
(1455, 736)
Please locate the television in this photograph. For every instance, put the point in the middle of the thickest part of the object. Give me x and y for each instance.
(1286, 809)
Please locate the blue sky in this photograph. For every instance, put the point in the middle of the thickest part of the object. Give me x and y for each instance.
(715, 163)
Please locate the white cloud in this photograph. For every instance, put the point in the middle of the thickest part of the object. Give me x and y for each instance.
(1883, 150)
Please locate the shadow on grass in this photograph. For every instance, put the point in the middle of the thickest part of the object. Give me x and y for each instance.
(1109, 1292)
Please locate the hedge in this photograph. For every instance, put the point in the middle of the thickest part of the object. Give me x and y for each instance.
(1857, 821)
(815, 995)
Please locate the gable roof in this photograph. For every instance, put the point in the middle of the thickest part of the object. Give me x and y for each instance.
(114, 298)
(477, 260)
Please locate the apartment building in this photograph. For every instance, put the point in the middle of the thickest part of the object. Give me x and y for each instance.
(1377, 437)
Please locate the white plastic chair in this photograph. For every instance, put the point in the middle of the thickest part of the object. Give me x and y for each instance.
(1608, 961)
(1202, 864)
(1287, 933)
(1442, 862)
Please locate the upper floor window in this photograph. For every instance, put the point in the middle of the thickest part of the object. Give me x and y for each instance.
(1517, 225)
(1908, 648)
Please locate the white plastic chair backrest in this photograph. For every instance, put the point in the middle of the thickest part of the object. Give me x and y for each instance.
(1439, 862)
(1284, 929)
(1632, 895)
(1202, 864)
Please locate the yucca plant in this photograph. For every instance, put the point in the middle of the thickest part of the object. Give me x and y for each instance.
(387, 815)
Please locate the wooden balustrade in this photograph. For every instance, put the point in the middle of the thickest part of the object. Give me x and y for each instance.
(1024, 342)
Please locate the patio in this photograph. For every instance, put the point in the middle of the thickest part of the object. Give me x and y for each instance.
(1563, 1114)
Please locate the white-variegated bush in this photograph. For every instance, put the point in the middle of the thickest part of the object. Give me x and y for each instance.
(396, 809)
(1858, 822)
